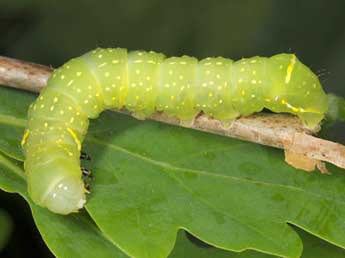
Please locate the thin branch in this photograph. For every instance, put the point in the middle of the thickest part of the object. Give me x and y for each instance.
(302, 150)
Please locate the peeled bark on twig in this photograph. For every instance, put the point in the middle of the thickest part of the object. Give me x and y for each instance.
(302, 150)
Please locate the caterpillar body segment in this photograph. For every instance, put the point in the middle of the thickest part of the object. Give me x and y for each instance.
(145, 82)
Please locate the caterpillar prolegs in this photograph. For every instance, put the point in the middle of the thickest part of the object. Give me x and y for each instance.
(145, 82)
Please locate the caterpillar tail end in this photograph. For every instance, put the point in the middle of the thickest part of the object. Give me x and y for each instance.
(56, 185)
(66, 196)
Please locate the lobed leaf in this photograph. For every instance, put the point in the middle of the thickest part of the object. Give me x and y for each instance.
(152, 180)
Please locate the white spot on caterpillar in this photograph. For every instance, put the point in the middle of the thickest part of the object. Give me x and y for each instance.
(42, 106)
(219, 63)
(220, 101)
(41, 97)
(69, 108)
(253, 72)
(253, 95)
(106, 74)
(276, 98)
(115, 61)
(52, 108)
(242, 69)
(218, 76)
(253, 61)
(167, 85)
(181, 77)
(240, 80)
(170, 72)
(70, 83)
(86, 101)
(45, 124)
(148, 78)
(204, 84)
(62, 77)
(138, 61)
(55, 99)
(137, 71)
(253, 81)
(78, 90)
(78, 74)
(62, 112)
(107, 89)
(101, 65)
(100, 56)
(208, 71)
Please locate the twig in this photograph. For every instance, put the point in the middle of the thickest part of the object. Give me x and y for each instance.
(302, 150)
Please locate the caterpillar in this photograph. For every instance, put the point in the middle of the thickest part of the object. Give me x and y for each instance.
(144, 82)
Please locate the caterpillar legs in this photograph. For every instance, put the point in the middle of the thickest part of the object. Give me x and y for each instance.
(86, 172)
(84, 156)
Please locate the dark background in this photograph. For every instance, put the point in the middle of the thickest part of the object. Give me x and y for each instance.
(51, 32)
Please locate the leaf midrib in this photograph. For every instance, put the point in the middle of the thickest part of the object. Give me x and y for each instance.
(205, 173)
(12, 120)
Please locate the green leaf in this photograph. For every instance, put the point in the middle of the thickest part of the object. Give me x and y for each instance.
(313, 248)
(152, 179)
(13, 112)
(75, 235)
(5, 228)
(66, 236)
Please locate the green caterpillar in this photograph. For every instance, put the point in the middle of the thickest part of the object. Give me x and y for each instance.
(145, 82)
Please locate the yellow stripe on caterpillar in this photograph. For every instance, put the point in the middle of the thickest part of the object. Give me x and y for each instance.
(290, 69)
(25, 137)
(75, 138)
